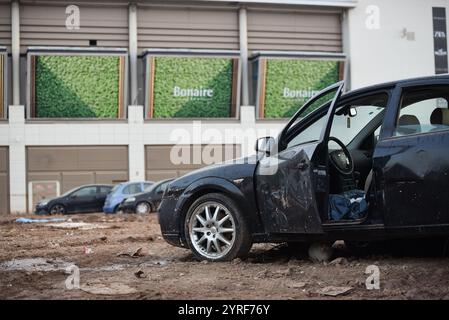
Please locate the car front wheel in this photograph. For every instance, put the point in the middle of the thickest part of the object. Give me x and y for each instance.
(215, 229)
(57, 209)
(143, 208)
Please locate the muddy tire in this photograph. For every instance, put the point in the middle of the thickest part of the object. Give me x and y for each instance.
(143, 208)
(58, 209)
(215, 229)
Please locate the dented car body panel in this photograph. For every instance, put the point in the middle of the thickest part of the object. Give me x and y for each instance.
(287, 196)
(408, 195)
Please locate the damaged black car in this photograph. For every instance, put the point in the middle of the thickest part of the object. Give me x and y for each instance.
(371, 164)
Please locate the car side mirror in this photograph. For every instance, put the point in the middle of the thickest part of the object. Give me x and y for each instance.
(265, 145)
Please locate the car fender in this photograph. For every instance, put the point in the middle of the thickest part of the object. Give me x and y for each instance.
(216, 184)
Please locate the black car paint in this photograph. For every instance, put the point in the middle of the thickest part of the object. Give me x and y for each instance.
(409, 181)
(235, 178)
(92, 203)
(153, 197)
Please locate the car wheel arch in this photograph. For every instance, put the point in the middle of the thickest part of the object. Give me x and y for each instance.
(201, 188)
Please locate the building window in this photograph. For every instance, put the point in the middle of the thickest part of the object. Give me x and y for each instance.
(282, 84)
(82, 84)
(181, 86)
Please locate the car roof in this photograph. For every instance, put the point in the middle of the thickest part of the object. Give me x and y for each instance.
(96, 185)
(390, 84)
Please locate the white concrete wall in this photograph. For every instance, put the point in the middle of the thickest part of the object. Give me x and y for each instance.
(383, 54)
(135, 133)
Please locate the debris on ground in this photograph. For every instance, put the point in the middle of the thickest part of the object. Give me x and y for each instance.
(338, 261)
(34, 264)
(133, 254)
(109, 289)
(140, 274)
(334, 291)
(296, 285)
(88, 250)
(77, 225)
(30, 220)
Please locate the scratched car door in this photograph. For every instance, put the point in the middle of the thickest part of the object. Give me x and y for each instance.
(285, 181)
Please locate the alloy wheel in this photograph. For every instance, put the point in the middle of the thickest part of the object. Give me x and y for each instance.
(212, 230)
(57, 209)
(143, 208)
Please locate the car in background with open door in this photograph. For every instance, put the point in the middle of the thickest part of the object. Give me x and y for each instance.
(87, 198)
(371, 164)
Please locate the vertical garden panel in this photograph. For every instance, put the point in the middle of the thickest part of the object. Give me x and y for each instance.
(286, 84)
(77, 86)
(192, 87)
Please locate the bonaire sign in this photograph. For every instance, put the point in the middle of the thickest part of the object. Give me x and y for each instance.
(192, 92)
(286, 84)
(192, 87)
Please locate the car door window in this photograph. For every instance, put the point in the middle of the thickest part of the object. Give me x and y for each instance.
(164, 186)
(105, 190)
(313, 131)
(423, 110)
(84, 192)
(132, 188)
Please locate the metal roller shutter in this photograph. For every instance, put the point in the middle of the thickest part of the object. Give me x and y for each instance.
(5, 24)
(294, 30)
(158, 164)
(44, 25)
(75, 166)
(176, 27)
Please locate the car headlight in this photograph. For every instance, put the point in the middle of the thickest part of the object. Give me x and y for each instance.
(43, 203)
(130, 199)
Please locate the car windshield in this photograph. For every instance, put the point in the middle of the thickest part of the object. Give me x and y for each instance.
(150, 187)
(70, 191)
(115, 188)
(345, 127)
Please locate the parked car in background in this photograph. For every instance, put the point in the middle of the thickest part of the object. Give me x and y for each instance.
(122, 191)
(88, 198)
(147, 201)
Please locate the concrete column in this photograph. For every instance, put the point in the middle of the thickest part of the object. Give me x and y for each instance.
(15, 50)
(17, 160)
(132, 29)
(243, 35)
(136, 148)
(346, 48)
(248, 122)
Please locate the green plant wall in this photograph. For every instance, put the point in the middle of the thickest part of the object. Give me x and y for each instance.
(210, 77)
(77, 86)
(289, 83)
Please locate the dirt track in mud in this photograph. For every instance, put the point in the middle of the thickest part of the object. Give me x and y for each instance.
(34, 258)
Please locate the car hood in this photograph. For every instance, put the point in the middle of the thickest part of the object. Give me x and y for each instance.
(229, 170)
(48, 200)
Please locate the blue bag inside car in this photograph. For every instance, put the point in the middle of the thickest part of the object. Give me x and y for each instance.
(350, 205)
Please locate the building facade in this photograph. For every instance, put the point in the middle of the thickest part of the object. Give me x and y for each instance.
(110, 91)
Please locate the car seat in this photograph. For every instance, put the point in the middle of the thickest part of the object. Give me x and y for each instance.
(440, 116)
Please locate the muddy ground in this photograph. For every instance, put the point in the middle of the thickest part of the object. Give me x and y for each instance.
(124, 257)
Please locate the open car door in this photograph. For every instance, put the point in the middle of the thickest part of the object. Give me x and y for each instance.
(292, 181)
